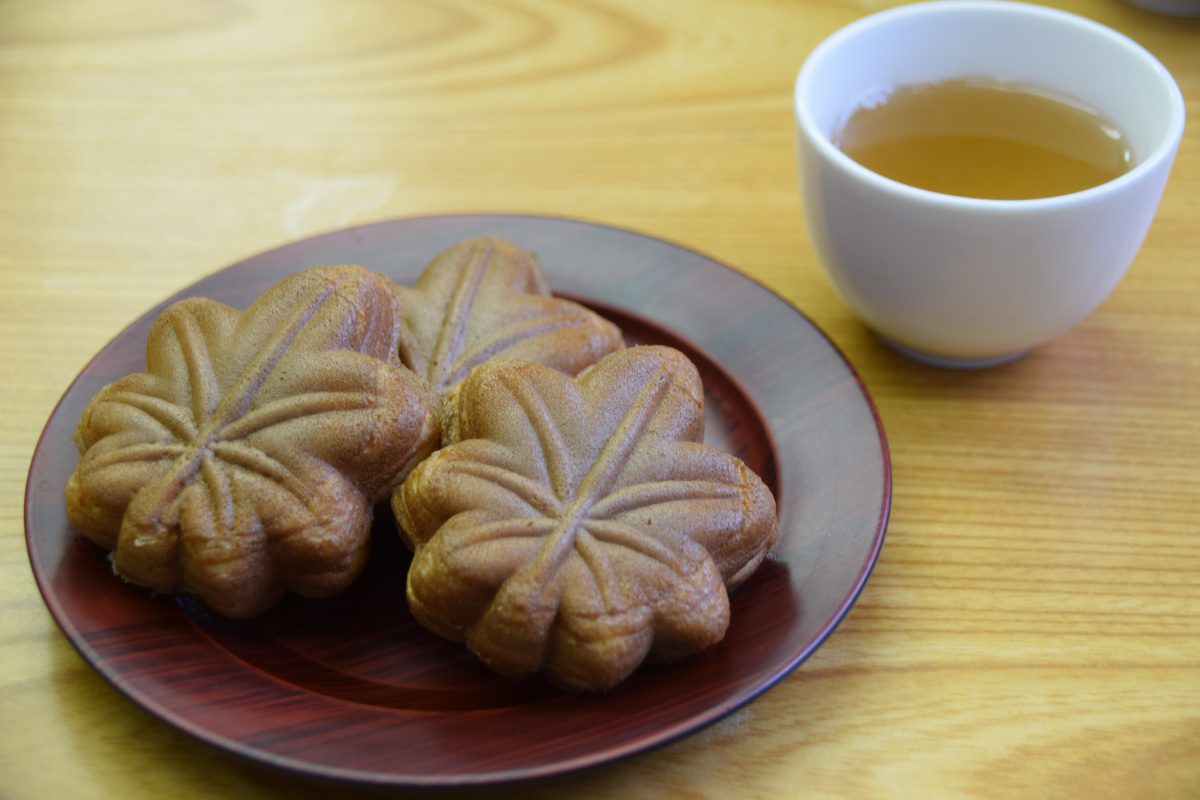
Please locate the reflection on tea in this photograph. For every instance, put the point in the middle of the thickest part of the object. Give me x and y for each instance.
(984, 138)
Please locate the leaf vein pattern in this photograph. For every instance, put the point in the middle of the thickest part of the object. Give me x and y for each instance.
(600, 568)
(246, 387)
(292, 408)
(166, 415)
(255, 461)
(620, 534)
(554, 452)
(202, 381)
(528, 491)
(453, 330)
(139, 452)
(220, 493)
(507, 337)
(645, 495)
(517, 528)
(600, 476)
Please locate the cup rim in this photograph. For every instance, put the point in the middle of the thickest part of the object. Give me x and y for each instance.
(804, 118)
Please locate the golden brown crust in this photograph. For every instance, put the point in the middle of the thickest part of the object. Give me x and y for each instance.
(245, 460)
(580, 526)
(484, 299)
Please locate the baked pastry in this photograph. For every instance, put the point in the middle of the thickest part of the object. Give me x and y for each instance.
(245, 460)
(580, 525)
(486, 298)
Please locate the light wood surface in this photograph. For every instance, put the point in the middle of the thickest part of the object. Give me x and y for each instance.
(1032, 628)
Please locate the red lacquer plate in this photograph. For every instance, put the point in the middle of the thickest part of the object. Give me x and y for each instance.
(351, 688)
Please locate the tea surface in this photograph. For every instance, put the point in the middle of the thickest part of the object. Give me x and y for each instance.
(986, 139)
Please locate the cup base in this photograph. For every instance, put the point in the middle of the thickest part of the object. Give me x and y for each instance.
(948, 362)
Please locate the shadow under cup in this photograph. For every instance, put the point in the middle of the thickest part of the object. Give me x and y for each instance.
(968, 282)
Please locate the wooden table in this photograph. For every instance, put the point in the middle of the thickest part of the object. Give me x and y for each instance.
(1033, 625)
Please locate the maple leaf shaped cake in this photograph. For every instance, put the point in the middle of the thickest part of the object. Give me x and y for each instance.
(245, 460)
(580, 525)
(487, 298)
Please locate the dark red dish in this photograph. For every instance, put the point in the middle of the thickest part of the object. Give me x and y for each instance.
(351, 687)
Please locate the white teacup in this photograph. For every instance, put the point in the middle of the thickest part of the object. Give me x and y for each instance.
(968, 282)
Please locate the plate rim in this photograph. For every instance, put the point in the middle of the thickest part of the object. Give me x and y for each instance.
(633, 746)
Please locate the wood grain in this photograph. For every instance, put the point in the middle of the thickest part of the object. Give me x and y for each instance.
(1033, 626)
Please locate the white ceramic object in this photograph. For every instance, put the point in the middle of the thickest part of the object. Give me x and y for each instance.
(962, 281)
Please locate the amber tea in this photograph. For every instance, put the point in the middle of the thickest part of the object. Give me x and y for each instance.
(986, 139)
